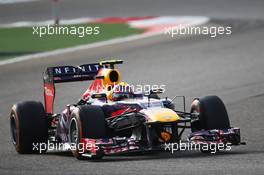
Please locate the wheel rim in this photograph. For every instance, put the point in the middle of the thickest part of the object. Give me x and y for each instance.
(195, 106)
(73, 132)
(13, 129)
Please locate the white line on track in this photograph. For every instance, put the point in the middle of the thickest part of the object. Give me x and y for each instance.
(44, 23)
(14, 1)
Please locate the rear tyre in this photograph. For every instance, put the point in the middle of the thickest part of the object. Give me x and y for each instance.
(87, 122)
(211, 112)
(29, 127)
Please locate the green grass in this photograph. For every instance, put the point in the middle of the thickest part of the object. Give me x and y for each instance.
(19, 41)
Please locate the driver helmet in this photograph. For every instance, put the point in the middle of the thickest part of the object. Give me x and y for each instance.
(121, 91)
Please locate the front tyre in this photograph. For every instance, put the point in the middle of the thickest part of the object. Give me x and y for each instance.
(29, 127)
(211, 112)
(86, 122)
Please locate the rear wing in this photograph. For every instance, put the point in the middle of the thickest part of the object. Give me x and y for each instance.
(61, 74)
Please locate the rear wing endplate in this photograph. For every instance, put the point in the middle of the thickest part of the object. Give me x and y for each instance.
(61, 74)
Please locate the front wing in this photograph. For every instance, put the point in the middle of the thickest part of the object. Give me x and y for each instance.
(118, 145)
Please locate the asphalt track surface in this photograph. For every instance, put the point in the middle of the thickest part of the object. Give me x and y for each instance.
(229, 66)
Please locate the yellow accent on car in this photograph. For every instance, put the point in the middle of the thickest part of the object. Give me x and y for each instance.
(111, 61)
(110, 80)
(161, 115)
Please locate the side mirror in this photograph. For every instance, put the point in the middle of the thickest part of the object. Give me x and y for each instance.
(156, 91)
(138, 95)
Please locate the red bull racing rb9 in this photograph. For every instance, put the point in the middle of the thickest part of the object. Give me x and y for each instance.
(110, 118)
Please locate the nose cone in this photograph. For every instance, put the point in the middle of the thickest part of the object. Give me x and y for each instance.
(161, 115)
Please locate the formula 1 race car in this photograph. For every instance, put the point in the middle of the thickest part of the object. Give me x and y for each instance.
(110, 118)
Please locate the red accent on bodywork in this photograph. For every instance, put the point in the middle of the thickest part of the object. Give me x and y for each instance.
(95, 87)
(88, 145)
(49, 95)
(92, 146)
(118, 112)
(122, 111)
(83, 143)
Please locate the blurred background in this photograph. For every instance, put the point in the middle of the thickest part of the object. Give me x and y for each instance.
(35, 10)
